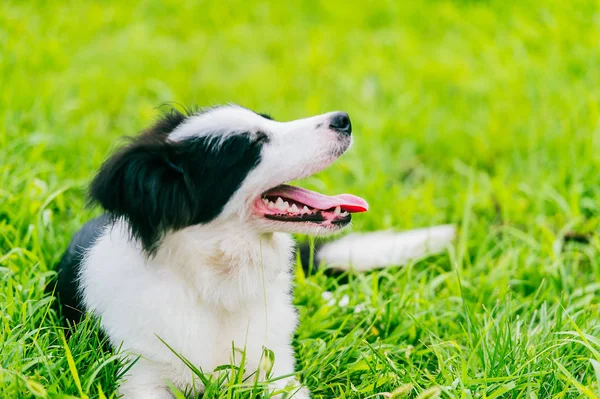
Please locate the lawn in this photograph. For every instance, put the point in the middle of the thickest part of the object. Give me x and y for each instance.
(480, 113)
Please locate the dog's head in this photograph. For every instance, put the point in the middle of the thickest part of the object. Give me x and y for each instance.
(226, 163)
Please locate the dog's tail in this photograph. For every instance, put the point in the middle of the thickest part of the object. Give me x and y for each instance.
(368, 251)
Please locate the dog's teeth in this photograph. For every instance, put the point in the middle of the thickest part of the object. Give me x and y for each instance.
(345, 213)
(266, 201)
(271, 204)
(337, 211)
(305, 209)
(286, 205)
(280, 204)
(294, 208)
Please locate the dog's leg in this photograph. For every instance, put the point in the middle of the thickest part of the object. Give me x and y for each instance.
(145, 381)
(376, 250)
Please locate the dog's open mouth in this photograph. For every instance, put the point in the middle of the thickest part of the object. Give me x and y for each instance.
(294, 204)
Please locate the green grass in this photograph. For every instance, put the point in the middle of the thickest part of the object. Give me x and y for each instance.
(481, 113)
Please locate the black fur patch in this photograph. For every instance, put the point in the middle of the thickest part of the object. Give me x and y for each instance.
(262, 138)
(159, 185)
(69, 265)
(168, 121)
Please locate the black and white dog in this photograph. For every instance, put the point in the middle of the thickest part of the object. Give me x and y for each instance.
(193, 248)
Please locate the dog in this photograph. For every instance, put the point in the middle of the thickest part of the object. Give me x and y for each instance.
(194, 248)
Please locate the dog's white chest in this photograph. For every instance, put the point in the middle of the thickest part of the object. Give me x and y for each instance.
(208, 314)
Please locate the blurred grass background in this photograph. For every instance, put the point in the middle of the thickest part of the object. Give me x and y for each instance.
(482, 113)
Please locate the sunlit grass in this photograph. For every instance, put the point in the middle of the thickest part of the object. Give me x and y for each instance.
(481, 113)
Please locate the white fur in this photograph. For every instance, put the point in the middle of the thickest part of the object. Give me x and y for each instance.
(368, 251)
(201, 294)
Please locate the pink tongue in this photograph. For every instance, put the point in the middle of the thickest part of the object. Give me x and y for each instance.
(347, 202)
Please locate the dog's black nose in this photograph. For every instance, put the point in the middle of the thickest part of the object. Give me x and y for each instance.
(340, 122)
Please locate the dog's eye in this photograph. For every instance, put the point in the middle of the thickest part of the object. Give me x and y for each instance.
(261, 138)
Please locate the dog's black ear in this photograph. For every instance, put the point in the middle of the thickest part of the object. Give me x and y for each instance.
(141, 184)
(158, 185)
